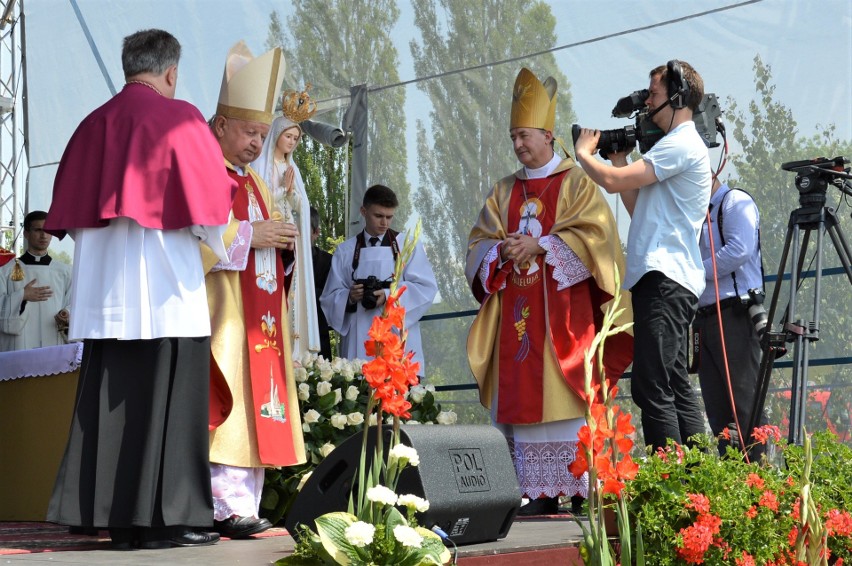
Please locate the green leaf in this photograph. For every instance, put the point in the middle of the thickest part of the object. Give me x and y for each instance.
(330, 528)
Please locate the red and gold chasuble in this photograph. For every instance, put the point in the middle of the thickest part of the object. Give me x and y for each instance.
(262, 286)
(538, 321)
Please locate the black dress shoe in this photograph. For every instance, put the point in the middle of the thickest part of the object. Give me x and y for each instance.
(122, 538)
(189, 537)
(241, 527)
(88, 531)
(541, 506)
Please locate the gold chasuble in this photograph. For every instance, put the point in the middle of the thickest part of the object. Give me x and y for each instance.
(250, 346)
(529, 338)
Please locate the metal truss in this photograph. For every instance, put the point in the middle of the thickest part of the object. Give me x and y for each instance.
(11, 119)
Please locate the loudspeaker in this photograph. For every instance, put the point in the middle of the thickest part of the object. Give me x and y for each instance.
(676, 87)
(465, 473)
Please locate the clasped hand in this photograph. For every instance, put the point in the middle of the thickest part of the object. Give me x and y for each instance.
(520, 248)
(273, 234)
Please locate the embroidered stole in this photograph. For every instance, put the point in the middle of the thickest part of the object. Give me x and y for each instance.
(262, 284)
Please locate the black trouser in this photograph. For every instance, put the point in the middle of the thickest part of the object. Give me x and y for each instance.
(743, 352)
(662, 311)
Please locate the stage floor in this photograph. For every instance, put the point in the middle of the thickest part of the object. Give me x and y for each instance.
(531, 542)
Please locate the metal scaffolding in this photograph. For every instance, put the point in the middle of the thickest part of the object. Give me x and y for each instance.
(12, 153)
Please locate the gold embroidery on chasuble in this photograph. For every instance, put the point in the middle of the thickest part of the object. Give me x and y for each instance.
(270, 330)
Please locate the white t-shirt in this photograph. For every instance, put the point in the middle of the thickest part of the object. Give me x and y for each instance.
(667, 219)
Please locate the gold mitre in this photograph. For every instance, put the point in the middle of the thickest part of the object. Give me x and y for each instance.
(298, 106)
(250, 85)
(533, 103)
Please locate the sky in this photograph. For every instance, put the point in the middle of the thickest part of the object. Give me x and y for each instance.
(808, 49)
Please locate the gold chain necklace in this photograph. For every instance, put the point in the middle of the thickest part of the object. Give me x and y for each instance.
(149, 85)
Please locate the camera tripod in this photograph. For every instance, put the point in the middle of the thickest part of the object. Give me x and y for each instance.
(812, 216)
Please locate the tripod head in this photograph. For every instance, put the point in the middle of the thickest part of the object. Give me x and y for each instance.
(814, 175)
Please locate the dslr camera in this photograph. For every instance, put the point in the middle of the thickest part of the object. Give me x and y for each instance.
(371, 285)
(645, 132)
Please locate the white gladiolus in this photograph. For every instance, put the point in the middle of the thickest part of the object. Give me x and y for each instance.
(404, 453)
(416, 394)
(323, 388)
(359, 533)
(304, 392)
(300, 375)
(381, 494)
(413, 502)
(311, 416)
(326, 449)
(352, 393)
(355, 419)
(338, 396)
(447, 417)
(338, 421)
(407, 536)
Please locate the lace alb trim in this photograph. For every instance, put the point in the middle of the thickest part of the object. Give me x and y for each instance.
(542, 469)
(238, 252)
(567, 268)
(491, 256)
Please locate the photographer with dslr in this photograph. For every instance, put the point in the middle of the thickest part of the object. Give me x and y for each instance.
(666, 194)
(735, 228)
(360, 276)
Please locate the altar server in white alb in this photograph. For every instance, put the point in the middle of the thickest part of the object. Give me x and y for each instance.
(361, 272)
(35, 293)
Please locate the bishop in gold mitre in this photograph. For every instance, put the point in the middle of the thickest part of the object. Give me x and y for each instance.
(542, 261)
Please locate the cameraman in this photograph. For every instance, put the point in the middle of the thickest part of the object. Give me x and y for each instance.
(735, 226)
(666, 193)
(361, 272)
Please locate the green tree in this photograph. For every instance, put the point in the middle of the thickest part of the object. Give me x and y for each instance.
(336, 44)
(769, 136)
(466, 147)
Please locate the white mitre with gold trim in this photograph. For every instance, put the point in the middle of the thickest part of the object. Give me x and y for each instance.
(251, 85)
(533, 103)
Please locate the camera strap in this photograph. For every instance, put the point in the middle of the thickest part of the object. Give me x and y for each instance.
(360, 242)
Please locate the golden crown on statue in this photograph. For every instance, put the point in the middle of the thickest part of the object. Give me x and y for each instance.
(298, 106)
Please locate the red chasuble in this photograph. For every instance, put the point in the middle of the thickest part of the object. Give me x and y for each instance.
(142, 156)
(263, 297)
(536, 319)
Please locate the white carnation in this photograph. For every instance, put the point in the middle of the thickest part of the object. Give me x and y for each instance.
(304, 392)
(326, 449)
(352, 393)
(447, 417)
(407, 536)
(413, 502)
(312, 416)
(417, 393)
(359, 533)
(338, 421)
(355, 419)
(374, 419)
(412, 422)
(338, 396)
(300, 375)
(323, 388)
(381, 494)
(405, 454)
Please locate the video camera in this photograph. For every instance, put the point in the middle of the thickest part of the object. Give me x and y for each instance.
(645, 132)
(371, 285)
(814, 175)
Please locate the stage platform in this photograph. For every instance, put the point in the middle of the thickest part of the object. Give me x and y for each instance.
(530, 542)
